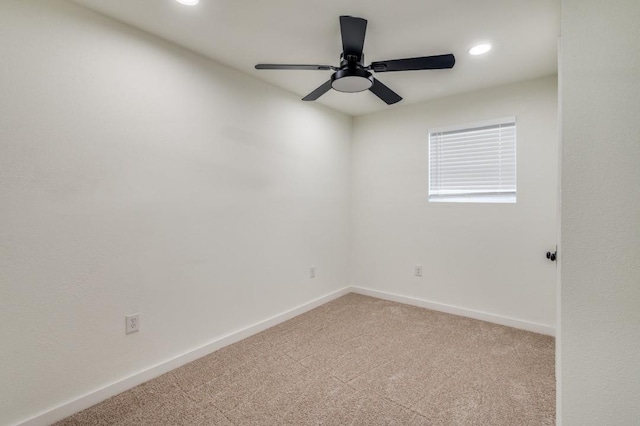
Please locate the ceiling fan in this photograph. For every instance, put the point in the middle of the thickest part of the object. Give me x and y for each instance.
(352, 75)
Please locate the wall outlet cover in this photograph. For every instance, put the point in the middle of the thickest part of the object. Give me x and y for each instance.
(418, 270)
(132, 323)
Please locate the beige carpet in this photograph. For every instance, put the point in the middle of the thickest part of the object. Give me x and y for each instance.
(354, 361)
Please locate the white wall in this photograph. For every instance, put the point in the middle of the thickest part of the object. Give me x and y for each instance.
(600, 237)
(138, 177)
(484, 257)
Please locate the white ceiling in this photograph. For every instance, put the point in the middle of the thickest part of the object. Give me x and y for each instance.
(242, 33)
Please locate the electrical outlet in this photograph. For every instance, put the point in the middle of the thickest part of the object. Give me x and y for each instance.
(132, 323)
(312, 272)
(418, 270)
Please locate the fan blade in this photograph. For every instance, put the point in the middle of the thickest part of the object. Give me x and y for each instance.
(294, 67)
(412, 64)
(353, 31)
(384, 93)
(318, 92)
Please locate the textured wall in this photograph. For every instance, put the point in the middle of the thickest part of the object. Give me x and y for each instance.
(138, 177)
(600, 239)
(486, 257)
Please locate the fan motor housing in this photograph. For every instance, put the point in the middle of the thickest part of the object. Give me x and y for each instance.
(351, 80)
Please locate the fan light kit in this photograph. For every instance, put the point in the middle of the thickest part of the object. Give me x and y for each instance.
(351, 80)
(188, 2)
(352, 75)
(480, 49)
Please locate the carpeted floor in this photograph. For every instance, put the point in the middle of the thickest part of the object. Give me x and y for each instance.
(354, 361)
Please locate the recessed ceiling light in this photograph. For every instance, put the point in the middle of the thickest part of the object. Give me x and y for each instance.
(188, 2)
(480, 49)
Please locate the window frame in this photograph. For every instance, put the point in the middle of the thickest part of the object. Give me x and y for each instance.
(467, 196)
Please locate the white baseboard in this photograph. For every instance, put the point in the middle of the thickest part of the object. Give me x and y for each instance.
(60, 412)
(464, 312)
(64, 410)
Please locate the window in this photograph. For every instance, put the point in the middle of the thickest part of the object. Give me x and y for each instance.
(473, 163)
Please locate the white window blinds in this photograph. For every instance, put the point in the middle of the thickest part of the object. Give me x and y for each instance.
(473, 163)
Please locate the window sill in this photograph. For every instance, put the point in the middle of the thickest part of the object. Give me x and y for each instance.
(472, 199)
